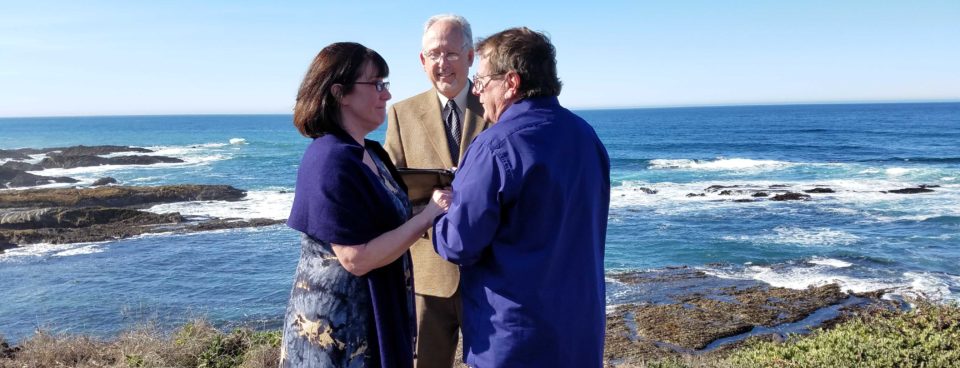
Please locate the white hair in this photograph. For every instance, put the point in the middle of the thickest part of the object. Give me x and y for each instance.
(453, 18)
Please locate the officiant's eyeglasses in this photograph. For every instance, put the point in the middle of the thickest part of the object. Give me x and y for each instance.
(436, 56)
(479, 84)
(380, 86)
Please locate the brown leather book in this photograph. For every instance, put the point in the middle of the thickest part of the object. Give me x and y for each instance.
(421, 183)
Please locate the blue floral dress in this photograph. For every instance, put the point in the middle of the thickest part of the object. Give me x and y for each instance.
(336, 319)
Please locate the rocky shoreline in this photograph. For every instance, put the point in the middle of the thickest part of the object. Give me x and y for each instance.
(686, 312)
(102, 211)
(671, 312)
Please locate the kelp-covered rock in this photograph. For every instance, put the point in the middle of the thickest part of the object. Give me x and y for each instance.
(684, 311)
(80, 217)
(71, 215)
(104, 181)
(117, 196)
(59, 161)
(96, 150)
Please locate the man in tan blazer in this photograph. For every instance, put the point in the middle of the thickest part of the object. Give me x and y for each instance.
(428, 131)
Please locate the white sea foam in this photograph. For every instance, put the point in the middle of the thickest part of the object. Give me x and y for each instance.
(836, 263)
(813, 237)
(896, 171)
(719, 164)
(272, 204)
(56, 250)
(932, 285)
(238, 141)
(783, 235)
(89, 249)
(802, 277)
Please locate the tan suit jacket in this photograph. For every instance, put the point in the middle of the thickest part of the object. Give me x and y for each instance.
(416, 139)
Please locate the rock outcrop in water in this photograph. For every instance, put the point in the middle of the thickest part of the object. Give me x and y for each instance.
(71, 215)
(13, 173)
(101, 212)
(13, 178)
(60, 161)
(776, 192)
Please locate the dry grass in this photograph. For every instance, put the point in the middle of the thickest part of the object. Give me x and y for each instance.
(196, 344)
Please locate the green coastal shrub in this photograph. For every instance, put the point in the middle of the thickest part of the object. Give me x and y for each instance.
(926, 336)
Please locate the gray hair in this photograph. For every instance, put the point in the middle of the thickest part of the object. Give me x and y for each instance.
(456, 19)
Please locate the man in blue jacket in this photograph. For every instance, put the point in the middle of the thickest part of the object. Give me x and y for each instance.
(529, 217)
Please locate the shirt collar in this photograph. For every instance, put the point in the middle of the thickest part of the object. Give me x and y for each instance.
(460, 98)
(527, 104)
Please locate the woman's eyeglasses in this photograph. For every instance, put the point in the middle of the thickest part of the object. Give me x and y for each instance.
(380, 85)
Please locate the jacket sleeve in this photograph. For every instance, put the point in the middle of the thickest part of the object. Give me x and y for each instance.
(393, 143)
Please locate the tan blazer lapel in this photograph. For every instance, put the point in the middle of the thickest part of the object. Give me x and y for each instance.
(432, 124)
(474, 122)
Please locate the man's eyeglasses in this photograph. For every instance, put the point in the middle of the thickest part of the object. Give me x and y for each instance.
(448, 56)
(380, 85)
(479, 84)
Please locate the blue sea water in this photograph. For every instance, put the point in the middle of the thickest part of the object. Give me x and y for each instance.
(857, 236)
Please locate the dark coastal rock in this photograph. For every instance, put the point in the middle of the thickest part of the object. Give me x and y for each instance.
(636, 332)
(221, 224)
(71, 215)
(104, 181)
(682, 312)
(6, 351)
(22, 166)
(779, 186)
(696, 195)
(82, 150)
(647, 190)
(819, 190)
(742, 200)
(88, 234)
(714, 188)
(728, 192)
(132, 224)
(5, 245)
(17, 154)
(62, 161)
(790, 196)
(760, 194)
(81, 217)
(10, 178)
(117, 196)
(920, 189)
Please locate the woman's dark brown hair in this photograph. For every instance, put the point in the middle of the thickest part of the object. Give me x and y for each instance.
(317, 111)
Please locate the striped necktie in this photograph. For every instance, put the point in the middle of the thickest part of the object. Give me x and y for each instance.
(452, 122)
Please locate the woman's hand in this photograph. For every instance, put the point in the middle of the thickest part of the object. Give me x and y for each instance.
(439, 203)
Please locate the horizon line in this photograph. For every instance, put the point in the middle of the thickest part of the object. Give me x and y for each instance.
(579, 108)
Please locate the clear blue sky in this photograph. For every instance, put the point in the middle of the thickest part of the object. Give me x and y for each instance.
(186, 57)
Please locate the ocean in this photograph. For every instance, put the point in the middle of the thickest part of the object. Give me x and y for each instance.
(670, 168)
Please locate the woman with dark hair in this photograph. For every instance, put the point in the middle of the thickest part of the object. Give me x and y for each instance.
(352, 299)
